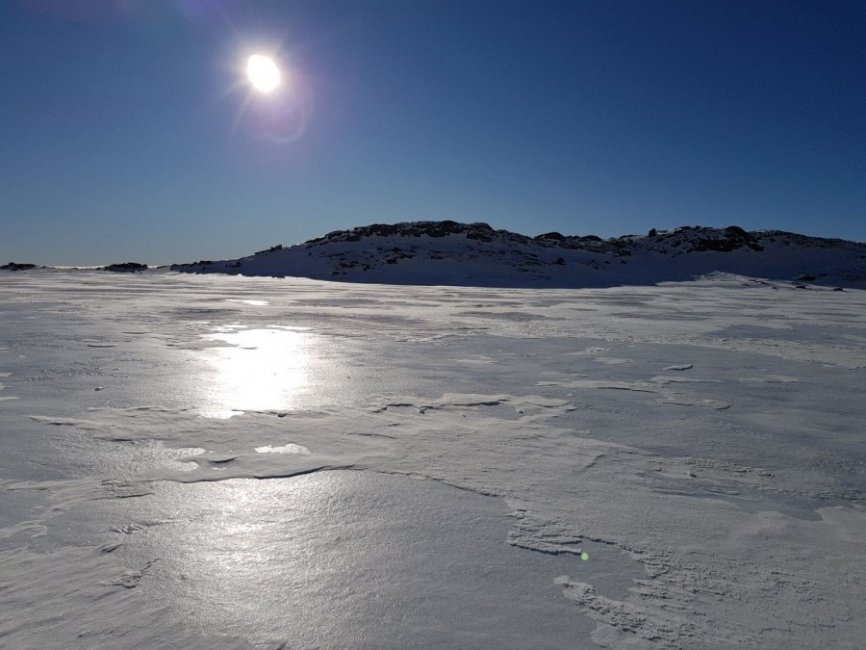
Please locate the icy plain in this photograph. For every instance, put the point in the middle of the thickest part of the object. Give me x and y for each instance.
(213, 461)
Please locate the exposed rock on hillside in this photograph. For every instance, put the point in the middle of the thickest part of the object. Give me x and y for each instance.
(14, 266)
(475, 254)
(125, 267)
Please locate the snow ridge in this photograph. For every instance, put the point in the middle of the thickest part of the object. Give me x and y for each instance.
(475, 254)
(451, 253)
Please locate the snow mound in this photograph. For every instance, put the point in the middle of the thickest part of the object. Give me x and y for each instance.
(458, 254)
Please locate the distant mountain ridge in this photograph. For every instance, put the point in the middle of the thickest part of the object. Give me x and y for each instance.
(475, 254)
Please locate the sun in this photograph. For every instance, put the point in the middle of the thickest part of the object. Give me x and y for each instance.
(263, 73)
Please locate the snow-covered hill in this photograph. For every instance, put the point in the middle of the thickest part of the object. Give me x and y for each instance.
(450, 253)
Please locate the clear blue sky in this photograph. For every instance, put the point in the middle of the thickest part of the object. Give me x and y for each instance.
(128, 132)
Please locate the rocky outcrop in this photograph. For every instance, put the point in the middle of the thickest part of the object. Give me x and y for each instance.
(125, 267)
(15, 266)
(475, 231)
(475, 254)
(727, 240)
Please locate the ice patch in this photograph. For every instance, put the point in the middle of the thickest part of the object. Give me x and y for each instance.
(589, 352)
(679, 379)
(769, 379)
(65, 422)
(254, 303)
(476, 360)
(220, 414)
(306, 552)
(289, 448)
(258, 370)
(679, 400)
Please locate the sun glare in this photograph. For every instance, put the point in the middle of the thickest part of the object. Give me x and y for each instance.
(258, 370)
(263, 73)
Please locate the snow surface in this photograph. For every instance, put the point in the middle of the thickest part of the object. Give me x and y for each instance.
(208, 461)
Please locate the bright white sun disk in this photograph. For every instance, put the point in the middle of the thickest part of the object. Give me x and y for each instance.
(263, 73)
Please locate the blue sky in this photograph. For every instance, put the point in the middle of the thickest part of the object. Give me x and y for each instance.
(128, 131)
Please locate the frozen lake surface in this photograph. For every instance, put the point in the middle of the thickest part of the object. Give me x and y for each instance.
(211, 461)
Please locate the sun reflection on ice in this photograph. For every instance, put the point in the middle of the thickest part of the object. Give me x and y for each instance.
(258, 370)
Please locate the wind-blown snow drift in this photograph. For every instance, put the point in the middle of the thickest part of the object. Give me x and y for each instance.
(450, 253)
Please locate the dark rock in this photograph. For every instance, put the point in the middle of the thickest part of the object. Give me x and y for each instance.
(186, 268)
(14, 266)
(272, 249)
(730, 239)
(479, 236)
(807, 277)
(125, 267)
(478, 231)
(555, 236)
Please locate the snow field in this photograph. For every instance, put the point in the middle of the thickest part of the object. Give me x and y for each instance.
(193, 460)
